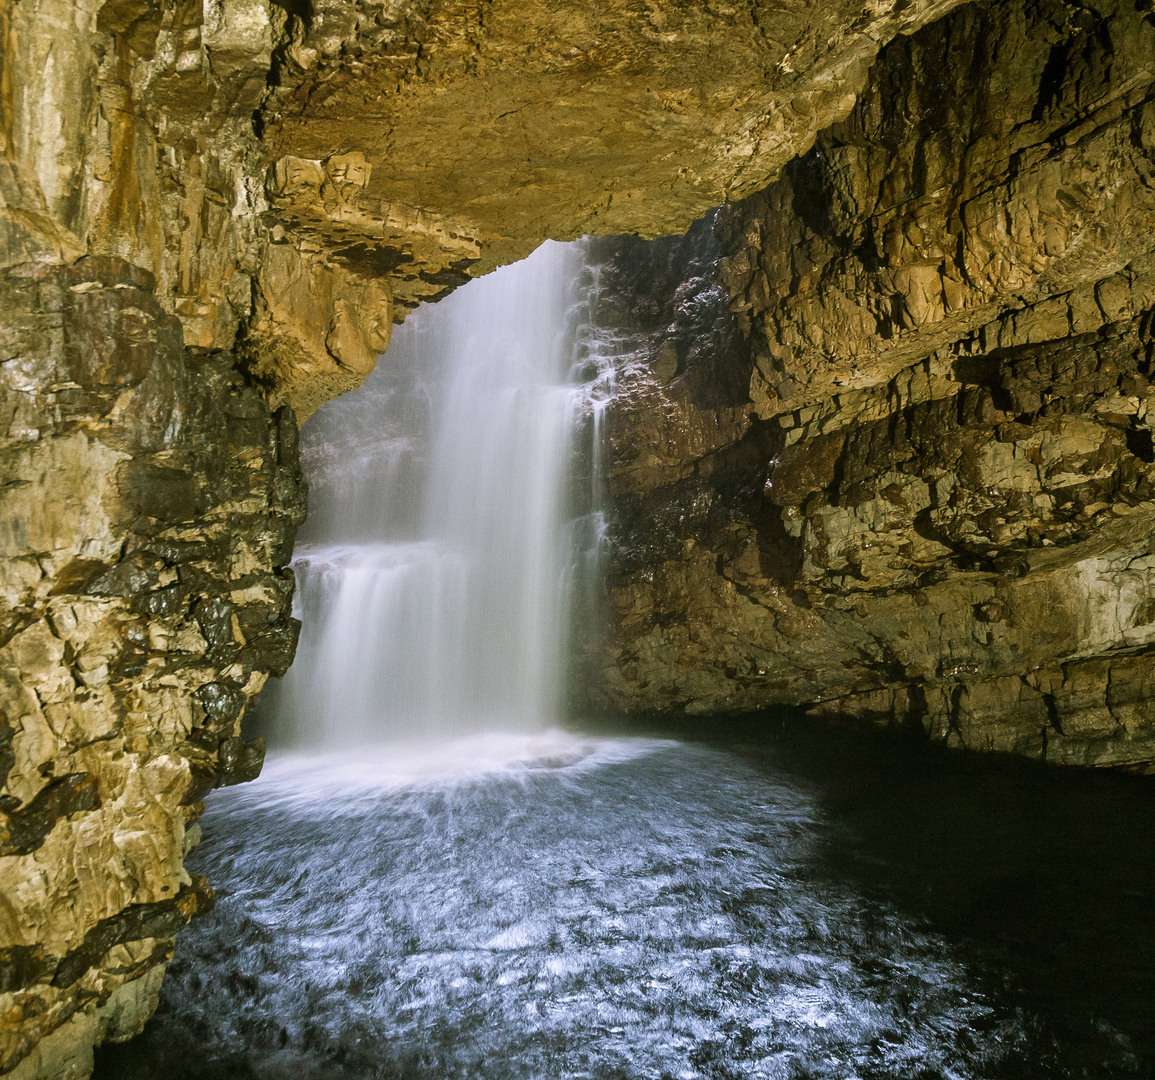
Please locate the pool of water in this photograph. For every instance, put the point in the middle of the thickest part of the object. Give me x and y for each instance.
(755, 901)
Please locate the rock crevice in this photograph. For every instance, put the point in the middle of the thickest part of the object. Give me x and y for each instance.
(934, 505)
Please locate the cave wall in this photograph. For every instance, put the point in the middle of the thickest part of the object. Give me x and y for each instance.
(931, 502)
(148, 501)
(211, 213)
(147, 511)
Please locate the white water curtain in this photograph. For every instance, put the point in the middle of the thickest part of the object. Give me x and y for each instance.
(430, 574)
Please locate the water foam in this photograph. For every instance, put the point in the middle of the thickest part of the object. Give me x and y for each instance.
(345, 781)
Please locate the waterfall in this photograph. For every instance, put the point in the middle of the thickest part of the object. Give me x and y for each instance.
(436, 571)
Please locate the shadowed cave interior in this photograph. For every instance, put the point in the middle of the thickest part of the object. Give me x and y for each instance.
(501, 883)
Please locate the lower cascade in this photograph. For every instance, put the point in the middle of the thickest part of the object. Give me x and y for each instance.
(432, 574)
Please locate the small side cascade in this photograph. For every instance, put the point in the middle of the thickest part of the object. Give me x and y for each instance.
(597, 358)
(448, 542)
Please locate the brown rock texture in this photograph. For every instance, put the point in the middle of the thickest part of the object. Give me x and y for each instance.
(471, 126)
(930, 501)
(883, 445)
(150, 498)
(210, 215)
(431, 141)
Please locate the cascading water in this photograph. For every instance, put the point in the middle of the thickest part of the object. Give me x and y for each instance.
(436, 570)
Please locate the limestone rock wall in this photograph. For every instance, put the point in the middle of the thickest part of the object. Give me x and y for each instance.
(996, 161)
(211, 212)
(150, 497)
(432, 140)
(149, 493)
(933, 502)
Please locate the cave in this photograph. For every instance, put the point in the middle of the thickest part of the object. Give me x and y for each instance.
(742, 407)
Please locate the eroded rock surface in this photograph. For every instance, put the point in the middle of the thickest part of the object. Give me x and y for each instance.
(884, 447)
(150, 499)
(466, 131)
(431, 141)
(934, 504)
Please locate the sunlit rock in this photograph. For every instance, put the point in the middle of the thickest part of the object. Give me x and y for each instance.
(883, 451)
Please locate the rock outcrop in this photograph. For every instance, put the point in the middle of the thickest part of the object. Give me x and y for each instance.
(149, 504)
(930, 501)
(883, 449)
(210, 215)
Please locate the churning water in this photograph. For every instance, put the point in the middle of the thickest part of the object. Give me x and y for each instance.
(562, 906)
(434, 574)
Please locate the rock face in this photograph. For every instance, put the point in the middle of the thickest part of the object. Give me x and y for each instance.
(150, 498)
(470, 131)
(430, 140)
(930, 502)
(883, 447)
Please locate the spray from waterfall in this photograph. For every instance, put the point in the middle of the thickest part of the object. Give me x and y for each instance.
(442, 559)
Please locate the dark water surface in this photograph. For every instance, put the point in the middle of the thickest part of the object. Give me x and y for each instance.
(785, 905)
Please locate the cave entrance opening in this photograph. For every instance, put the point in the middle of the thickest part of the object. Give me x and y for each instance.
(448, 528)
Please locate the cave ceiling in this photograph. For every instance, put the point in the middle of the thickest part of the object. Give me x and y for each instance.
(460, 135)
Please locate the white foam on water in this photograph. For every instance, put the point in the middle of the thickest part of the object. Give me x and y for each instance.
(340, 778)
(558, 907)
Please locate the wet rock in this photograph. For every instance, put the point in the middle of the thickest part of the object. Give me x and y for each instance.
(936, 511)
(138, 539)
(240, 761)
(24, 828)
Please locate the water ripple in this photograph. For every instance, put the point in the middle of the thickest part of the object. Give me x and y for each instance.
(564, 908)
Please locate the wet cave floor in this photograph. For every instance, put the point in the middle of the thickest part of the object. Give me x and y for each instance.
(746, 900)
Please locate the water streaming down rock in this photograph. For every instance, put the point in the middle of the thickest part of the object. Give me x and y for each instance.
(436, 569)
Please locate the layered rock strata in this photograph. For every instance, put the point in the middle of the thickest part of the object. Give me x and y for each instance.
(150, 500)
(428, 142)
(210, 215)
(926, 497)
